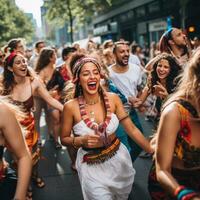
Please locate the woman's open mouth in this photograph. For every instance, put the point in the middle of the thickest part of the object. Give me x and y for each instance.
(92, 85)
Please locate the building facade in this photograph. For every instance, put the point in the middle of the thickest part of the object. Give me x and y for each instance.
(145, 21)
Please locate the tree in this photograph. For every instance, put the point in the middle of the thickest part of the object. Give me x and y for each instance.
(13, 23)
(61, 11)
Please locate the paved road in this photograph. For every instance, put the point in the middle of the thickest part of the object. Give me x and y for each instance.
(63, 184)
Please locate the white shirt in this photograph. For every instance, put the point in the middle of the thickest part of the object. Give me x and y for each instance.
(133, 59)
(128, 81)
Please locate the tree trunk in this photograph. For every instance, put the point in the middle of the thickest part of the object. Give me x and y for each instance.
(70, 20)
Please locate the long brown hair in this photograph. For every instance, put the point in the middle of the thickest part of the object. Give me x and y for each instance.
(7, 80)
(44, 58)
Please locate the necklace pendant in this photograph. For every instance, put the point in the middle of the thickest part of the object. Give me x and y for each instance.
(92, 116)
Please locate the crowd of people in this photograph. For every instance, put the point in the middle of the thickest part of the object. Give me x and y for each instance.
(91, 98)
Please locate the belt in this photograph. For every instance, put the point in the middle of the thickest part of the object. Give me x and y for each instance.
(98, 156)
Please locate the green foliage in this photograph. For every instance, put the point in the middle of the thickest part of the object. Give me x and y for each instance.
(13, 23)
(81, 10)
(68, 11)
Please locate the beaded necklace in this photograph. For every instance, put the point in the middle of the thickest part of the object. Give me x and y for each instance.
(100, 129)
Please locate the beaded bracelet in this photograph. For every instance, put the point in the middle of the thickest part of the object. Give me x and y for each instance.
(185, 194)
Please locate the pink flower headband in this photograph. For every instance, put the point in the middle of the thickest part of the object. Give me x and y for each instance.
(79, 64)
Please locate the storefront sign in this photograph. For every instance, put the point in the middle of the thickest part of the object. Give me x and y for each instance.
(158, 26)
(101, 30)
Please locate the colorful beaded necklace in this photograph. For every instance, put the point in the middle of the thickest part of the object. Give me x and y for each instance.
(100, 129)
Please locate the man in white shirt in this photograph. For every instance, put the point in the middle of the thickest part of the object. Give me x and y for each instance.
(127, 78)
(38, 47)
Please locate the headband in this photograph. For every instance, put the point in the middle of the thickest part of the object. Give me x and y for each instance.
(11, 56)
(123, 42)
(79, 64)
(167, 34)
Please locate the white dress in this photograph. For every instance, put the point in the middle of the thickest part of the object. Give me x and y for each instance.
(110, 180)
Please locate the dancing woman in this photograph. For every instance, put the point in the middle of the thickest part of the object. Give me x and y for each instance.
(162, 81)
(103, 163)
(21, 87)
(176, 172)
(11, 135)
(54, 83)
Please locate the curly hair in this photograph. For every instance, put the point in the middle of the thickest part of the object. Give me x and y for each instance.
(175, 70)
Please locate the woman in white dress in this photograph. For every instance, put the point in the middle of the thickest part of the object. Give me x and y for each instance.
(103, 163)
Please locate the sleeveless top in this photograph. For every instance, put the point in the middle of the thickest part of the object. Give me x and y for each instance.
(189, 154)
(27, 105)
(28, 122)
(82, 129)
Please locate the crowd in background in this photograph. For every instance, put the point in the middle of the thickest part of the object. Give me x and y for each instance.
(162, 82)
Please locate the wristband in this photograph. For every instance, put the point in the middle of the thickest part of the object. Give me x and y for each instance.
(178, 189)
(184, 193)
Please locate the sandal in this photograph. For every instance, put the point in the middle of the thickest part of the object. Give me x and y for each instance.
(38, 181)
(58, 145)
(29, 194)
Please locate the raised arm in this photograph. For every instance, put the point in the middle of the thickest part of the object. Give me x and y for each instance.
(42, 92)
(144, 94)
(129, 127)
(13, 136)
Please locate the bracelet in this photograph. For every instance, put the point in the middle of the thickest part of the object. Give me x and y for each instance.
(185, 194)
(178, 189)
(189, 196)
(123, 118)
(73, 143)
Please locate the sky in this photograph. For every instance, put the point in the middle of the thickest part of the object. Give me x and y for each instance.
(31, 6)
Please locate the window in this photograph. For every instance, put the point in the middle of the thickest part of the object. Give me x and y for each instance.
(140, 11)
(154, 7)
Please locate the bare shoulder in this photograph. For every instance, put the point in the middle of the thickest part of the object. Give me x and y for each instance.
(112, 96)
(171, 111)
(36, 82)
(3, 108)
(71, 105)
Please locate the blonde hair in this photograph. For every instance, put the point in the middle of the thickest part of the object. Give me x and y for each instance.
(189, 87)
(68, 92)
